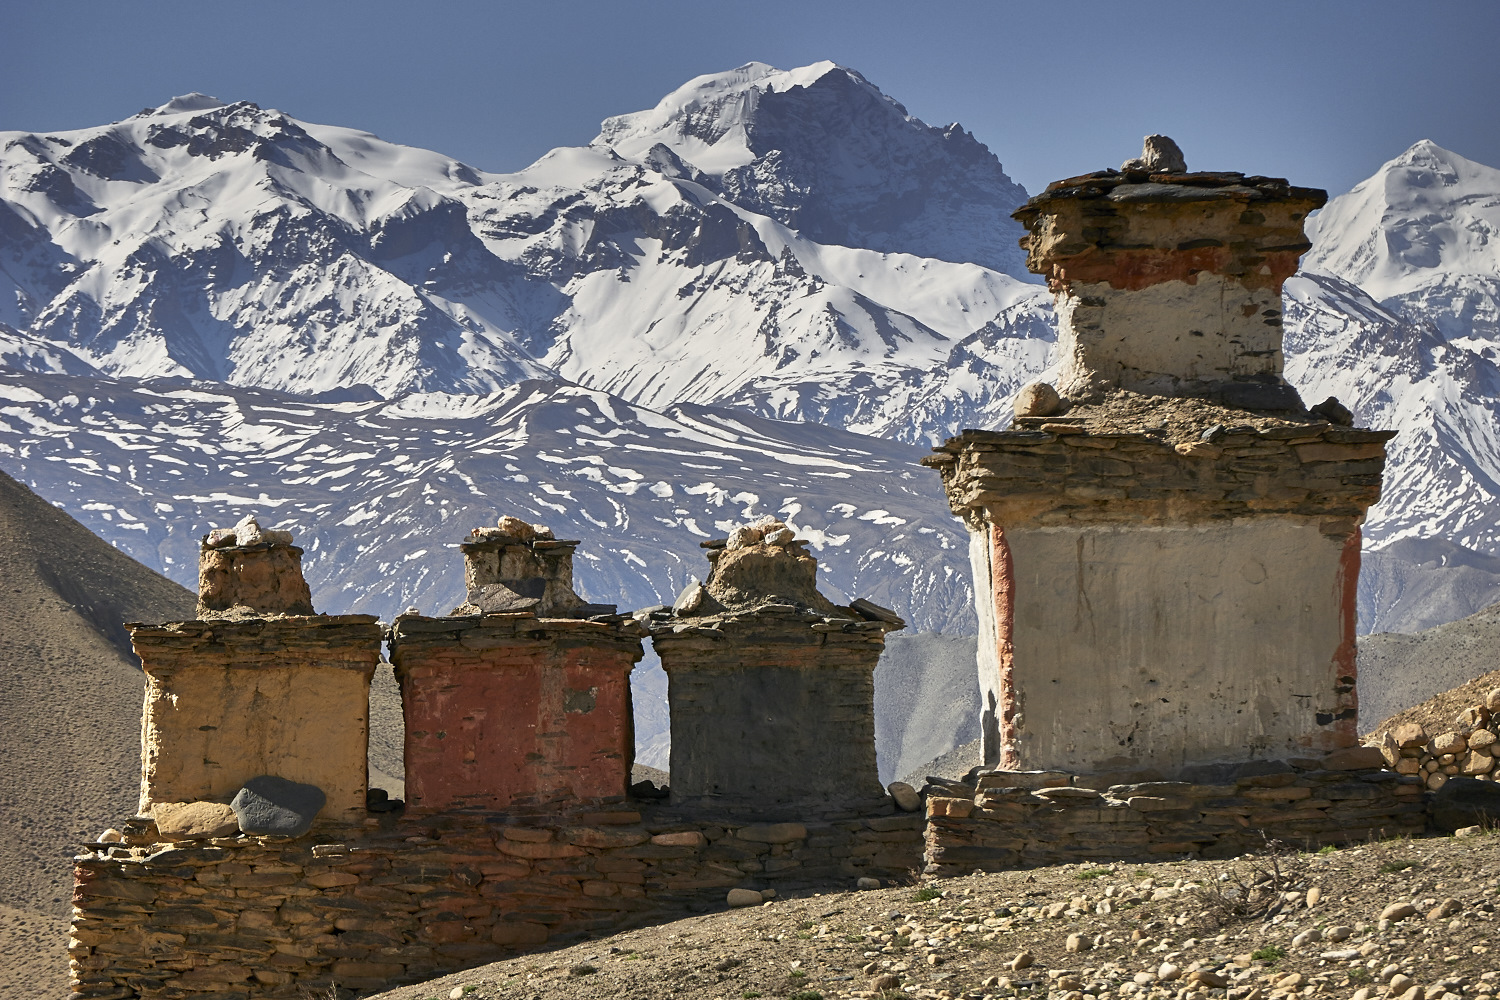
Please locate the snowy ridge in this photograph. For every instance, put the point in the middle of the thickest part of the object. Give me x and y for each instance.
(380, 493)
(822, 150)
(228, 242)
(1421, 236)
(761, 246)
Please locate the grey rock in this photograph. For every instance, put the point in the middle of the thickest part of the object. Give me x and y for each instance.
(781, 536)
(514, 595)
(1334, 412)
(378, 800)
(273, 806)
(1037, 400)
(1465, 802)
(691, 598)
(1159, 155)
(248, 531)
(743, 897)
(907, 799)
(875, 613)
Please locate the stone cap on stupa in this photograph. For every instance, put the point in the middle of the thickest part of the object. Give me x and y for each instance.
(519, 567)
(1168, 282)
(1169, 403)
(761, 571)
(251, 572)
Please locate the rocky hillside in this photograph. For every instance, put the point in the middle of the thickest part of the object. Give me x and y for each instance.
(1399, 918)
(1429, 676)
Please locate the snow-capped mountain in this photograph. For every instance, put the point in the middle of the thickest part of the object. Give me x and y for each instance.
(818, 265)
(775, 245)
(1398, 314)
(380, 493)
(1422, 238)
(822, 150)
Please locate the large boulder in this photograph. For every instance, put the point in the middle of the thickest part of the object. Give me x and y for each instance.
(273, 806)
(1465, 802)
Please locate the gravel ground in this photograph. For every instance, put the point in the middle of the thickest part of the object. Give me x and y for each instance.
(1275, 924)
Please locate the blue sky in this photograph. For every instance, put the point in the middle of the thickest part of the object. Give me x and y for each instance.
(1318, 91)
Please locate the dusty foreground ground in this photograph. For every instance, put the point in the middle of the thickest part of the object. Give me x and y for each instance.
(1241, 929)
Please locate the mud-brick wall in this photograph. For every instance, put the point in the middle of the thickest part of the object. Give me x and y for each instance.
(772, 714)
(230, 699)
(265, 917)
(1011, 819)
(506, 710)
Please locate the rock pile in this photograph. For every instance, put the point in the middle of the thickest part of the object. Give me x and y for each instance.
(1469, 749)
(249, 571)
(517, 566)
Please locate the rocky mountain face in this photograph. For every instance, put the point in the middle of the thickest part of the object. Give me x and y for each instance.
(1396, 314)
(781, 268)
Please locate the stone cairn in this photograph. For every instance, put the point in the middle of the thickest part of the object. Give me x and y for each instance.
(765, 675)
(256, 715)
(519, 699)
(1468, 750)
(1140, 524)
(251, 571)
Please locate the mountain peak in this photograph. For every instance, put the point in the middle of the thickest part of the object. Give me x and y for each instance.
(714, 107)
(189, 102)
(1422, 237)
(822, 150)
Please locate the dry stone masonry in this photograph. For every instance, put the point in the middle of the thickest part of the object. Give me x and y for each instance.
(1459, 765)
(417, 898)
(1008, 819)
(1165, 548)
(766, 675)
(260, 868)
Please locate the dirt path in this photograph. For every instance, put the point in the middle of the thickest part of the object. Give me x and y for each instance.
(1147, 931)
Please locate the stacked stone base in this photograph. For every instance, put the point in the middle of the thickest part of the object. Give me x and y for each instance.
(243, 918)
(1019, 819)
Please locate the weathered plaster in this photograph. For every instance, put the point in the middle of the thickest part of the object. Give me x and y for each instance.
(1165, 337)
(1163, 647)
(988, 664)
(507, 709)
(227, 701)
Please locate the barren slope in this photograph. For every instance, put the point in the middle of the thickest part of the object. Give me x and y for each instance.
(1427, 677)
(69, 718)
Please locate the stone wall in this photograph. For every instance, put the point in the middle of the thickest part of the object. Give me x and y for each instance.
(1010, 819)
(262, 917)
(229, 699)
(508, 711)
(1144, 603)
